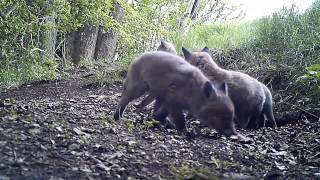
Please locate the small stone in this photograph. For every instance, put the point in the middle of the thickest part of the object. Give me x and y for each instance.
(43, 147)
(2, 143)
(103, 167)
(59, 129)
(52, 141)
(280, 166)
(4, 177)
(241, 138)
(34, 131)
(86, 170)
(130, 143)
(73, 147)
(35, 125)
(113, 131)
(78, 131)
(236, 176)
(144, 169)
(280, 153)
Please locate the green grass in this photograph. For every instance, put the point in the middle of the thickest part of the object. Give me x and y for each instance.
(286, 35)
(187, 170)
(229, 35)
(108, 78)
(26, 70)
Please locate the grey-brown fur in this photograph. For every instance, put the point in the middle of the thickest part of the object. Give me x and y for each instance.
(252, 99)
(178, 86)
(167, 47)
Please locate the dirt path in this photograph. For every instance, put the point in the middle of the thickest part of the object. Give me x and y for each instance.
(64, 129)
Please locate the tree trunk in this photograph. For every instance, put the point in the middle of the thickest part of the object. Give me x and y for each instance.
(49, 35)
(195, 10)
(106, 44)
(81, 44)
(184, 21)
(69, 45)
(90, 41)
(86, 42)
(107, 41)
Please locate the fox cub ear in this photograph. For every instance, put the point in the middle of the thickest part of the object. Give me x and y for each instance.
(224, 88)
(162, 43)
(186, 53)
(206, 49)
(209, 90)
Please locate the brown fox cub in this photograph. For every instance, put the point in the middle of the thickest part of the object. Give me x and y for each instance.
(166, 47)
(252, 99)
(177, 86)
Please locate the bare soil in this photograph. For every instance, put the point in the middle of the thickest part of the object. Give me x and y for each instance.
(64, 130)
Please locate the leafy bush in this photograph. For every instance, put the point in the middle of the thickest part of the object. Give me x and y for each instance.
(23, 26)
(290, 39)
(311, 83)
(15, 73)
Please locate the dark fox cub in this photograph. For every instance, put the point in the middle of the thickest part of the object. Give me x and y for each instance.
(252, 99)
(176, 85)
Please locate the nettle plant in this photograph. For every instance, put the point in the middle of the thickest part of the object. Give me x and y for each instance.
(310, 81)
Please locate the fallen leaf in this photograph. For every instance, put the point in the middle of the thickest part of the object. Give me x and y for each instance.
(78, 131)
(34, 131)
(280, 166)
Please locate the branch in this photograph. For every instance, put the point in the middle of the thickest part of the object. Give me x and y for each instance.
(303, 110)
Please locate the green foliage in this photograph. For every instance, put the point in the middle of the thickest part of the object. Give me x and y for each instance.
(108, 78)
(292, 40)
(144, 24)
(149, 124)
(291, 36)
(22, 26)
(187, 170)
(17, 73)
(311, 83)
(228, 35)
